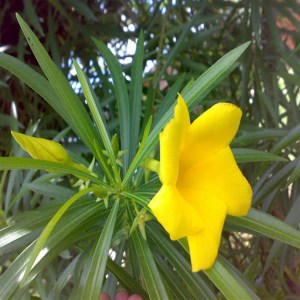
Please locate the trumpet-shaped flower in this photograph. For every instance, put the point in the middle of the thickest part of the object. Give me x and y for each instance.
(201, 181)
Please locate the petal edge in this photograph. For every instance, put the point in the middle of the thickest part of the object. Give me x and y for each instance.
(171, 140)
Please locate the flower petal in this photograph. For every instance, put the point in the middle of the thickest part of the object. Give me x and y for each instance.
(205, 244)
(176, 215)
(171, 139)
(210, 132)
(219, 177)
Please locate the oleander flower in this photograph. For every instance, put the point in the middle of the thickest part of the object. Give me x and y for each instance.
(201, 181)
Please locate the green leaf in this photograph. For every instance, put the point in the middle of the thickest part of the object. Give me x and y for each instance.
(121, 95)
(295, 175)
(269, 185)
(99, 119)
(48, 229)
(9, 281)
(177, 48)
(267, 225)
(195, 283)
(94, 272)
(135, 95)
(229, 284)
(209, 79)
(268, 103)
(152, 279)
(291, 219)
(256, 21)
(29, 9)
(171, 279)
(16, 163)
(258, 135)
(72, 106)
(243, 155)
(83, 9)
(21, 233)
(50, 190)
(37, 82)
(73, 227)
(291, 137)
(142, 144)
(63, 279)
(126, 281)
(141, 200)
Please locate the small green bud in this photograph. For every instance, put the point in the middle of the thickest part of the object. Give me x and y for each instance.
(99, 191)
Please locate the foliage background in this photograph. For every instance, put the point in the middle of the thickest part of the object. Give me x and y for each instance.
(182, 40)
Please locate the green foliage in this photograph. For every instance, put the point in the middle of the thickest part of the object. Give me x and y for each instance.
(63, 237)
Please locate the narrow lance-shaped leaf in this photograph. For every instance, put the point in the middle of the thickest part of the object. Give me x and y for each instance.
(9, 280)
(125, 279)
(152, 279)
(243, 155)
(89, 95)
(135, 95)
(63, 279)
(265, 224)
(178, 47)
(144, 140)
(48, 229)
(80, 120)
(209, 79)
(291, 137)
(93, 275)
(258, 134)
(37, 82)
(279, 178)
(72, 226)
(82, 8)
(197, 286)
(230, 285)
(291, 219)
(29, 9)
(16, 163)
(294, 175)
(171, 280)
(121, 95)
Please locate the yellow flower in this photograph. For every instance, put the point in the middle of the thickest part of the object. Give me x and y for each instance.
(201, 181)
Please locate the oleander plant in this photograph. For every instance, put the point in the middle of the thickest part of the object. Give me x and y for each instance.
(168, 168)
